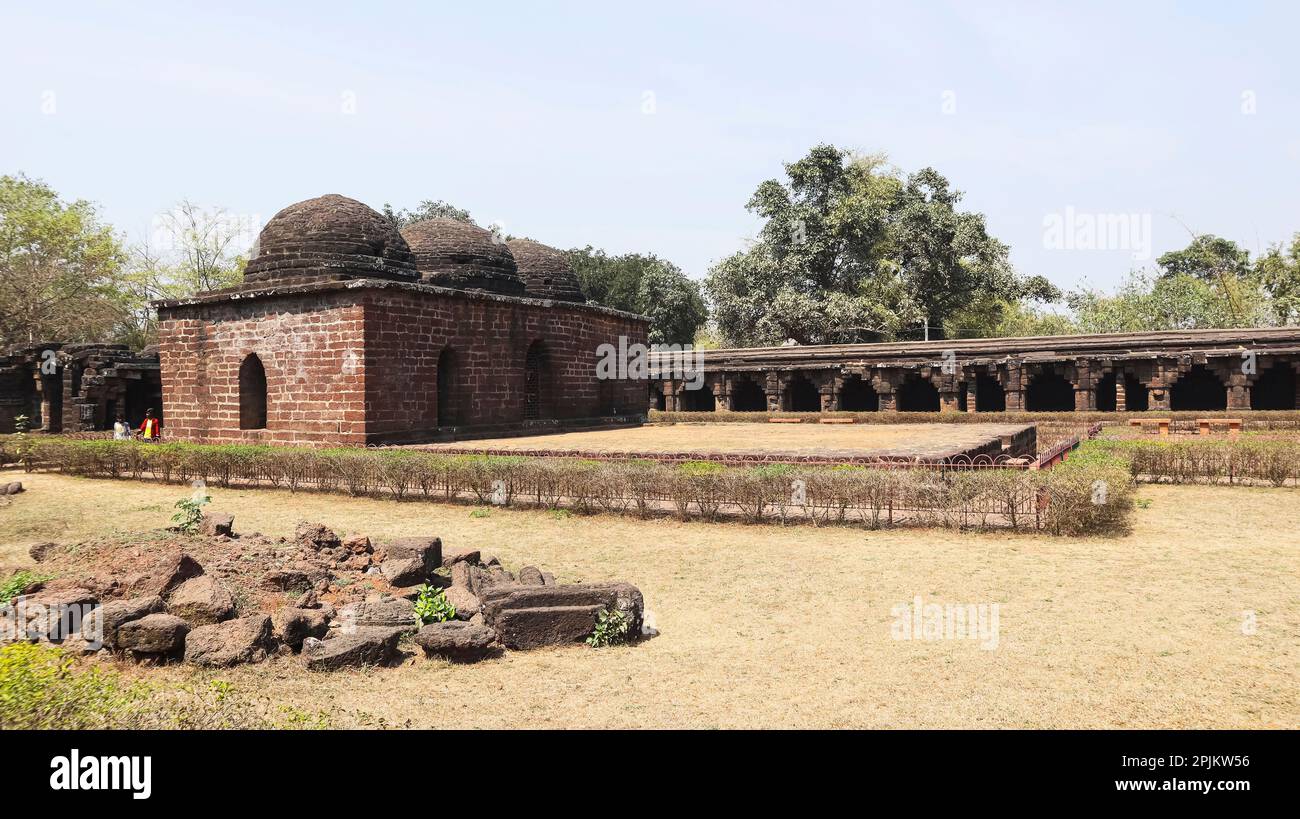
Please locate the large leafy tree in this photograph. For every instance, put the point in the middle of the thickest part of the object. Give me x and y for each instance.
(1206, 257)
(851, 251)
(644, 284)
(60, 267)
(946, 258)
(1278, 270)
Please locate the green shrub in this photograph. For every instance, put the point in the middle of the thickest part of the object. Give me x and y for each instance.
(432, 606)
(1091, 492)
(190, 516)
(41, 687)
(612, 627)
(19, 582)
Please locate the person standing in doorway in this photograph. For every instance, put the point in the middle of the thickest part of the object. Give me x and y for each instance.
(151, 427)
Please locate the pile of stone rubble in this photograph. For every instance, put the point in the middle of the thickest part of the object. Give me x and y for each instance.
(306, 604)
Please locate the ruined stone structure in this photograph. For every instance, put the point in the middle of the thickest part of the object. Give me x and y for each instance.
(346, 331)
(77, 387)
(1169, 371)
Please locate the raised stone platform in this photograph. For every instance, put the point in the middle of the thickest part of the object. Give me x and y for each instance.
(774, 443)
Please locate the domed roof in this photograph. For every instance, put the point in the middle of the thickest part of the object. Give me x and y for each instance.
(546, 271)
(452, 253)
(328, 236)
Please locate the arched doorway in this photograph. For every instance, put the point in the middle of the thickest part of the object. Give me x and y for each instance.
(1198, 389)
(699, 400)
(747, 396)
(917, 394)
(1274, 389)
(252, 393)
(658, 400)
(537, 383)
(1049, 392)
(448, 416)
(989, 395)
(802, 396)
(1137, 398)
(857, 395)
(1106, 394)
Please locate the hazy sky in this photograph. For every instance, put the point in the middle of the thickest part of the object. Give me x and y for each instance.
(645, 127)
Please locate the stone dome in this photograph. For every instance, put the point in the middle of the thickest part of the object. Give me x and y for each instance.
(330, 235)
(546, 271)
(452, 253)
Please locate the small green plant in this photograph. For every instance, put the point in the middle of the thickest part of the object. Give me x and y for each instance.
(190, 516)
(480, 513)
(612, 628)
(1144, 503)
(560, 514)
(39, 688)
(19, 582)
(432, 606)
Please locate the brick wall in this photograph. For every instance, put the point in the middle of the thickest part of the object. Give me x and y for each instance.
(489, 340)
(311, 347)
(358, 364)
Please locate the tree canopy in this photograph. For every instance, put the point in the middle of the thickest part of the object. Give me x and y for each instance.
(61, 269)
(645, 284)
(852, 250)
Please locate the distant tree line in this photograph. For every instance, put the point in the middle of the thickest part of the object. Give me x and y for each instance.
(850, 249)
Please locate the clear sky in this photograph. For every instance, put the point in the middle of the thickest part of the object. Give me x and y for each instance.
(645, 127)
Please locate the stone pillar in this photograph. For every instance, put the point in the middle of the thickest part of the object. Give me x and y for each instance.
(1159, 399)
(772, 389)
(45, 402)
(1121, 399)
(1014, 392)
(888, 402)
(1238, 391)
(948, 401)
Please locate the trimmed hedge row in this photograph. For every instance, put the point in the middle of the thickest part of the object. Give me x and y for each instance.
(1248, 458)
(1063, 500)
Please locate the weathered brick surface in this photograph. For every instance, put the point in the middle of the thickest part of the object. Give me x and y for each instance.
(357, 362)
(311, 345)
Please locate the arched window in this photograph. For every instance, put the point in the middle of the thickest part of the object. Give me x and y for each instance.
(537, 383)
(447, 414)
(252, 393)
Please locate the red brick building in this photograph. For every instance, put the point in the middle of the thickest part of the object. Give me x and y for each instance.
(346, 331)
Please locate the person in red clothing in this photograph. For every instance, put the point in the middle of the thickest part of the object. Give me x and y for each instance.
(151, 428)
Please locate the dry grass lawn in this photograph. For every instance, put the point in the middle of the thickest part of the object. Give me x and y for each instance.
(790, 627)
(801, 439)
